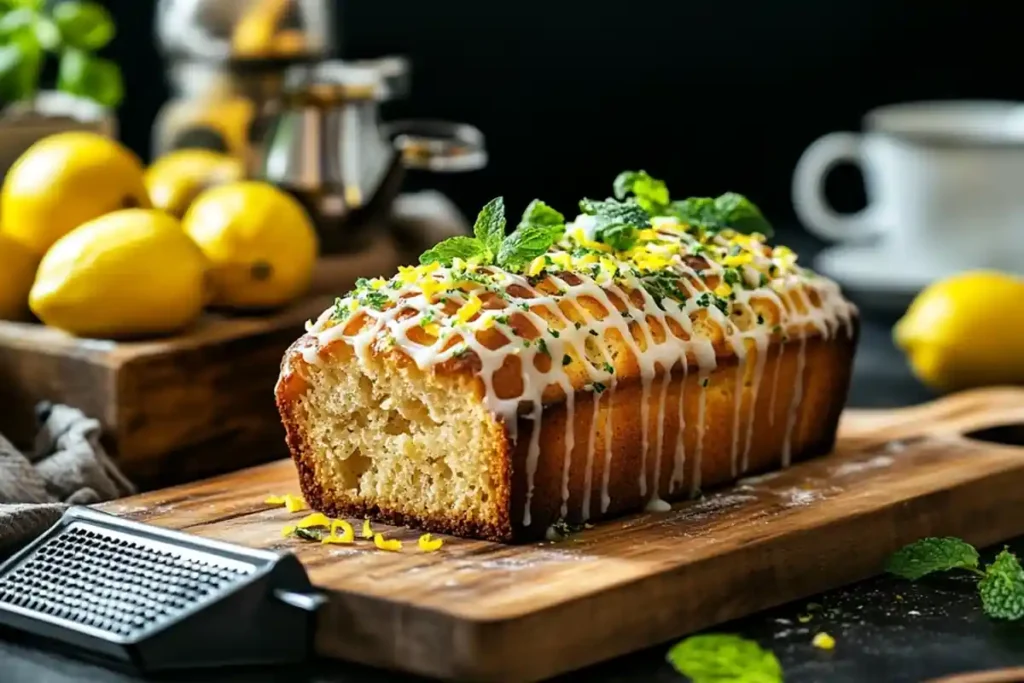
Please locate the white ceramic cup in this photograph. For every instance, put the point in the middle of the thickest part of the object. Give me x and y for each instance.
(944, 180)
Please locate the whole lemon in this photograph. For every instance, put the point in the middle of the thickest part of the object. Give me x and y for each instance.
(131, 273)
(176, 179)
(65, 180)
(17, 272)
(966, 331)
(260, 242)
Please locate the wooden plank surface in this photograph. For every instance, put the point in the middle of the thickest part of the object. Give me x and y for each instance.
(178, 408)
(484, 611)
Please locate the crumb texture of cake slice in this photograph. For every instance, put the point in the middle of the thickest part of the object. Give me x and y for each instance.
(569, 371)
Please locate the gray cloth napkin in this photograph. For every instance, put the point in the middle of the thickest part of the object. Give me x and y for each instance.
(67, 467)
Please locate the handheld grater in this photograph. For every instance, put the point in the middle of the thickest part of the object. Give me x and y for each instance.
(152, 599)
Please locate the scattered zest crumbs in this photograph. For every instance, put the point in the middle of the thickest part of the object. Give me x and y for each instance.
(292, 503)
(348, 534)
(428, 544)
(824, 641)
(394, 545)
(367, 530)
(314, 520)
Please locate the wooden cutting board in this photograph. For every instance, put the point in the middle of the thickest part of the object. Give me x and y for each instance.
(483, 611)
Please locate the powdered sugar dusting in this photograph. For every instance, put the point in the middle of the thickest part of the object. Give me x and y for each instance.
(797, 497)
(878, 462)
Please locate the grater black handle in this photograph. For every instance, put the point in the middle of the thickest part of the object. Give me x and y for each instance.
(155, 599)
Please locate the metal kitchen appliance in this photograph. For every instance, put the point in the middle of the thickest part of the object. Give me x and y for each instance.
(226, 61)
(330, 149)
(151, 599)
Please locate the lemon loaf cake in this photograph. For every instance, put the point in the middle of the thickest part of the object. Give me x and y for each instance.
(568, 370)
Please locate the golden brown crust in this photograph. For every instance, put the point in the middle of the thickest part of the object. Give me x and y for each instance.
(825, 378)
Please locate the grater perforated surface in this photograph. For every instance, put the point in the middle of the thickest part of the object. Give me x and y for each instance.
(120, 584)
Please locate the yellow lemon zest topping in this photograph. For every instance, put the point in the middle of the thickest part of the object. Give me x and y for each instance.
(392, 545)
(313, 520)
(469, 309)
(723, 290)
(336, 540)
(536, 266)
(428, 544)
(367, 530)
(287, 531)
(291, 502)
(348, 534)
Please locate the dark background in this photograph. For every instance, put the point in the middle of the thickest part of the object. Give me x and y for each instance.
(711, 95)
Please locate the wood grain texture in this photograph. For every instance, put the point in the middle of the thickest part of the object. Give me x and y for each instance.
(484, 611)
(179, 408)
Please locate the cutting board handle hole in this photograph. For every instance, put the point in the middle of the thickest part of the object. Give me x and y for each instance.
(1005, 434)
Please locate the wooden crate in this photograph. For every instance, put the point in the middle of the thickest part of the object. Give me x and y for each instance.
(174, 409)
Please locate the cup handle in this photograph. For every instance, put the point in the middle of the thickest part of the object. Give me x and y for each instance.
(809, 201)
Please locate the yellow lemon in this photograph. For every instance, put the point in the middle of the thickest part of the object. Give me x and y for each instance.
(17, 272)
(260, 242)
(65, 180)
(256, 33)
(966, 331)
(176, 179)
(131, 273)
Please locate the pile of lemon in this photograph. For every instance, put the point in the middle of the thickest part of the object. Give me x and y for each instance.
(96, 245)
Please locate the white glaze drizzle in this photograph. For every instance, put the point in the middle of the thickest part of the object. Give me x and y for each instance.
(385, 327)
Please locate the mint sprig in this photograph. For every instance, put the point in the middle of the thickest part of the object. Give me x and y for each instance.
(618, 222)
(540, 227)
(724, 658)
(489, 228)
(452, 248)
(1001, 586)
(651, 194)
(730, 210)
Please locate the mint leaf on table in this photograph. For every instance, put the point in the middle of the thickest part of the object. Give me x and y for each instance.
(489, 228)
(651, 194)
(1002, 588)
(452, 248)
(84, 25)
(1002, 582)
(724, 658)
(930, 555)
(527, 243)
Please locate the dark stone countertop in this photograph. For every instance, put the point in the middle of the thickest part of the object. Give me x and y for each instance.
(886, 630)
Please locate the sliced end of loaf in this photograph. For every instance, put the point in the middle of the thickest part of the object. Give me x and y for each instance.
(386, 440)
